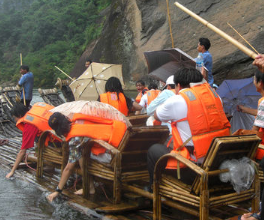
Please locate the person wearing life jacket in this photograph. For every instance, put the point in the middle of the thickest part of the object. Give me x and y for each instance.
(80, 121)
(197, 116)
(32, 123)
(114, 96)
(140, 84)
(149, 95)
(169, 90)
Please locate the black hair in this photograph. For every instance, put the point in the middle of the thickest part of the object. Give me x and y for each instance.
(19, 110)
(113, 84)
(88, 60)
(205, 42)
(184, 76)
(60, 123)
(172, 86)
(24, 67)
(141, 82)
(259, 76)
(152, 86)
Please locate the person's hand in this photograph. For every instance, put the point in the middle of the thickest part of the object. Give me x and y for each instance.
(241, 108)
(259, 62)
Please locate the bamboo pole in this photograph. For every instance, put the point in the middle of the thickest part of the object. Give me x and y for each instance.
(240, 46)
(64, 72)
(168, 11)
(24, 99)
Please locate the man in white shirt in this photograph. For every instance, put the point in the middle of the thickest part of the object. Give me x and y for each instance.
(175, 109)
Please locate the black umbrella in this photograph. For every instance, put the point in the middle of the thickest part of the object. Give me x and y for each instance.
(163, 63)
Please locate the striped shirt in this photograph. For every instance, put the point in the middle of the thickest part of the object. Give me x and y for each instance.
(259, 121)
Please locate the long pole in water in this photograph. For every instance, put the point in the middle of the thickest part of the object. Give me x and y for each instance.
(240, 46)
(64, 72)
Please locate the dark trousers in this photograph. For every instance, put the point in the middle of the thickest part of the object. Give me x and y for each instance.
(154, 153)
(27, 102)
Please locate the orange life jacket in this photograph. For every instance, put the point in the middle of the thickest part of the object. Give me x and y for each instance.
(206, 118)
(152, 94)
(139, 96)
(111, 99)
(108, 130)
(38, 115)
(260, 152)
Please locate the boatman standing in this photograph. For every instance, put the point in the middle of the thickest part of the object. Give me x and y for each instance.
(26, 82)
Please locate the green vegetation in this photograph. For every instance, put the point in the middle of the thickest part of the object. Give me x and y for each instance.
(47, 33)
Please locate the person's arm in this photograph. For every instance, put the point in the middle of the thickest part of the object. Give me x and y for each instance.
(259, 62)
(162, 97)
(248, 110)
(22, 80)
(136, 106)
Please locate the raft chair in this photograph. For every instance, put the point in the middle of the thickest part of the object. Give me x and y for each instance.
(51, 96)
(129, 160)
(201, 193)
(138, 120)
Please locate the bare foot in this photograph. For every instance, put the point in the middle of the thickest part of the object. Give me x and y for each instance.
(9, 175)
(52, 196)
(79, 192)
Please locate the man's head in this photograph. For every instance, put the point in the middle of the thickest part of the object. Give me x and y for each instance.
(259, 81)
(203, 45)
(18, 110)
(140, 84)
(87, 63)
(184, 76)
(170, 82)
(60, 124)
(24, 69)
(152, 86)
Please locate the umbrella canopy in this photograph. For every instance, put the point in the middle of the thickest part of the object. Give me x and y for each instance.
(92, 82)
(163, 63)
(239, 92)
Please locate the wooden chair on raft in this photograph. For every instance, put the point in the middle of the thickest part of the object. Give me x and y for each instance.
(205, 191)
(128, 163)
(138, 120)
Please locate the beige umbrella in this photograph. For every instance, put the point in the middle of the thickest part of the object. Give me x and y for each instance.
(92, 82)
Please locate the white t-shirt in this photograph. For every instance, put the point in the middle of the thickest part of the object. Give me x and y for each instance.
(144, 100)
(174, 109)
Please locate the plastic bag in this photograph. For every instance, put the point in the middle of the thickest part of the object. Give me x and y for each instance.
(241, 173)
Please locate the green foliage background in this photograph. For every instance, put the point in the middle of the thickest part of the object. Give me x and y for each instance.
(47, 33)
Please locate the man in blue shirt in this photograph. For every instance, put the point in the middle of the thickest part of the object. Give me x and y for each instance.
(203, 47)
(26, 82)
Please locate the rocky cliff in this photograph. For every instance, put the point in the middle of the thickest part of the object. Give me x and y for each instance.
(134, 26)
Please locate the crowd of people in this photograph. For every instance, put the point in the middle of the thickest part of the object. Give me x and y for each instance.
(186, 102)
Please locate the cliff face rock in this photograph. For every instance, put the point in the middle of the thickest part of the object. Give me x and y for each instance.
(134, 26)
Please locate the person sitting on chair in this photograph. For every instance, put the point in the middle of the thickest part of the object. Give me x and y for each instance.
(197, 116)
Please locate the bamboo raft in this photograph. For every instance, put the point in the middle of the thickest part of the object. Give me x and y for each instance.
(120, 184)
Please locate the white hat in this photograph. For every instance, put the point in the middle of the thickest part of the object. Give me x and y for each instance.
(170, 80)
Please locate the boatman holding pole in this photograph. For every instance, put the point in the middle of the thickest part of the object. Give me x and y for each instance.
(26, 81)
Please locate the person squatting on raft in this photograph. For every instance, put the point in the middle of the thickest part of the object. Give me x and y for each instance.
(74, 121)
(197, 116)
(114, 96)
(28, 123)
